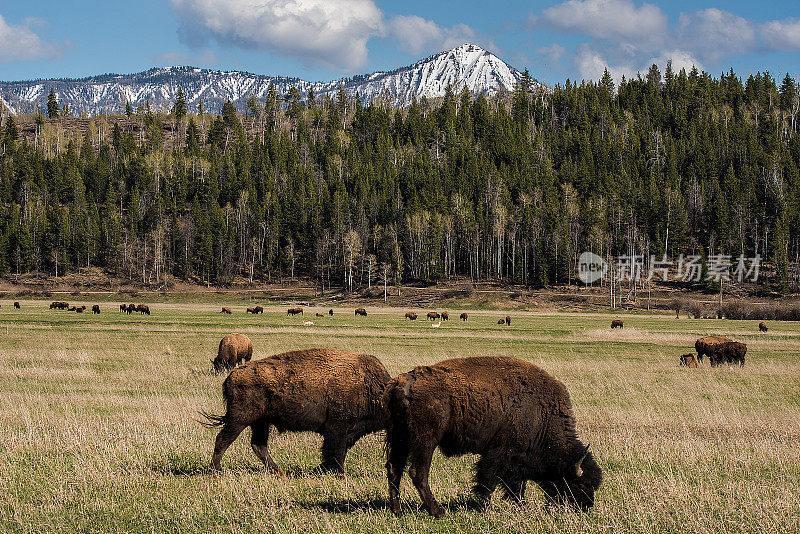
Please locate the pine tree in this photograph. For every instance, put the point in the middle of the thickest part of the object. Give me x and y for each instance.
(52, 105)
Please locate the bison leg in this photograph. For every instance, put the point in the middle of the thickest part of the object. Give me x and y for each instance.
(260, 443)
(514, 491)
(419, 471)
(397, 456)
(334, 449)
(487, 477)
(228, 434)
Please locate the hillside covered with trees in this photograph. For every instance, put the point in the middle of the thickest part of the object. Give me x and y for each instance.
(513, 188)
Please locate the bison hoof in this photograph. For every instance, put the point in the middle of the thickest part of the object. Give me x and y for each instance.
(437, 511)
(395, 508)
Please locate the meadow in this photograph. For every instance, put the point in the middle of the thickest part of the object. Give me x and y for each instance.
(100, 432)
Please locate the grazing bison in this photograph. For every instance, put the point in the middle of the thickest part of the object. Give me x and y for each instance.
(258, 309)
(513, 414)
(706, 345)
(411, 315)
(330, 312)
(617, 323)
(123, 308)
(728, 352)
(501, 321)
(331, 392)
(433, 315)
(294, 311)
(464, 316)
(96, 308)
(226, 311)
(688, 360)
(362, 312)
(80, 309)
(508, 320)
(762, 327)
(320, 315)
(16, 305)
(131, 308)
(233, 349)
(143, 309)
(445, 316)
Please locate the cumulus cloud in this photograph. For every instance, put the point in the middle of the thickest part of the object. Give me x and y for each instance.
(21, 42)
(332, 33)
(616, 20)
(783, 35)
(417, 35)
(714, 33)
(590, 64)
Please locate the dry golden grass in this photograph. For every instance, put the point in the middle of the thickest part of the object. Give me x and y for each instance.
(100, 432)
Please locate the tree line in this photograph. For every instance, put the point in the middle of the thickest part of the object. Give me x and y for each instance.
(349, 193)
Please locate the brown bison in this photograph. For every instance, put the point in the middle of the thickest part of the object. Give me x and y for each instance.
(331, 392)
(762, 327)
(513, 414)
(96, 308)
(294, 311)
(16, 306)
(80, 309)
(411, 315)
(143, 309)
(131, 308)
(258, 309)
(233, 349)
(320, 315)
(59, 305)
(617, 323)
(688, 360)
(362, 312)
(508, 320)
(226, 311)
(501, 321)
(706, 345)
(445, 316)
(728, 352)
(464, 316)
(123, 308)
(330, 312)
(251, 310)
(432, 315)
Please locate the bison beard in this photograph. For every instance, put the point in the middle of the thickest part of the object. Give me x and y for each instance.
(331, 392)
(514, 415)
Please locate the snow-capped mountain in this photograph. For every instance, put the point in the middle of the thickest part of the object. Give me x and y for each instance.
(465, 66)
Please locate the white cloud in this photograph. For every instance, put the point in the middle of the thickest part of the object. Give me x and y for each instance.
(20, 42)
(332, 33)
(614, 20)
(713, 33)
(591, 64)
(555, 52)
(417, 35)
(680, 60)
(783, 35)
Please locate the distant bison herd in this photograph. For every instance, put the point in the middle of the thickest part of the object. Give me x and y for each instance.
(514, 415)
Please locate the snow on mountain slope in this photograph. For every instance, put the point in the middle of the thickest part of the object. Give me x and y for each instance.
(465, 66)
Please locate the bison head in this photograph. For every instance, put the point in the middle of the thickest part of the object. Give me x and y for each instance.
(577, 485)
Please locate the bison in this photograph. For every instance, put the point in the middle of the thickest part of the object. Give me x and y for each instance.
(705, 345)
(233, 349)
(432, 315)
(501, 321)
(617, 323)
(411, 315)
(80, 309)
(688, 360)
(362, 312)
(513, 414)
(226, 311)
(331, 392)
(16, 306)
(445, 316)
(762, 327)
(96, 308)
(294, 311)
(330, 312)
(728, 352)
(258, 309)
(508, 320)
(251, 310)
(123, 308)
(464, 316)
(320, 315)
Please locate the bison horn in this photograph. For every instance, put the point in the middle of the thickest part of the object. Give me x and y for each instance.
(579, 463)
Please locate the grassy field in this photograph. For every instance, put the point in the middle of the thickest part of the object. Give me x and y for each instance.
(100, 434)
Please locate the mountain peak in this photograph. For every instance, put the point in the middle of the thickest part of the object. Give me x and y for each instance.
(465, 66)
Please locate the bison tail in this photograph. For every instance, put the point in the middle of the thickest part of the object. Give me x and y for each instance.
(213, 420)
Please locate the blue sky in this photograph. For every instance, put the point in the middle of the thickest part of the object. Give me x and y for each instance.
(321, 40)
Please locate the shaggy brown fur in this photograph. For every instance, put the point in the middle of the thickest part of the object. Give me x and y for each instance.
(688, 360)
(508, 320)
(294, 311)
(16, 305)
(617, 323)
(501, 321)
(762, 327)
(513, 414)
(362, 312)
(226, 311)
(464, 316)
(445, 316)
(233, 349)
(705, 345)
(728, 352)
(96, 308)
(330, 312)
(411, 315)
(433, 315)
(331, 392)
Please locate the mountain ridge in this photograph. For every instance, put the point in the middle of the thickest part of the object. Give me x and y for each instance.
(464, 66)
